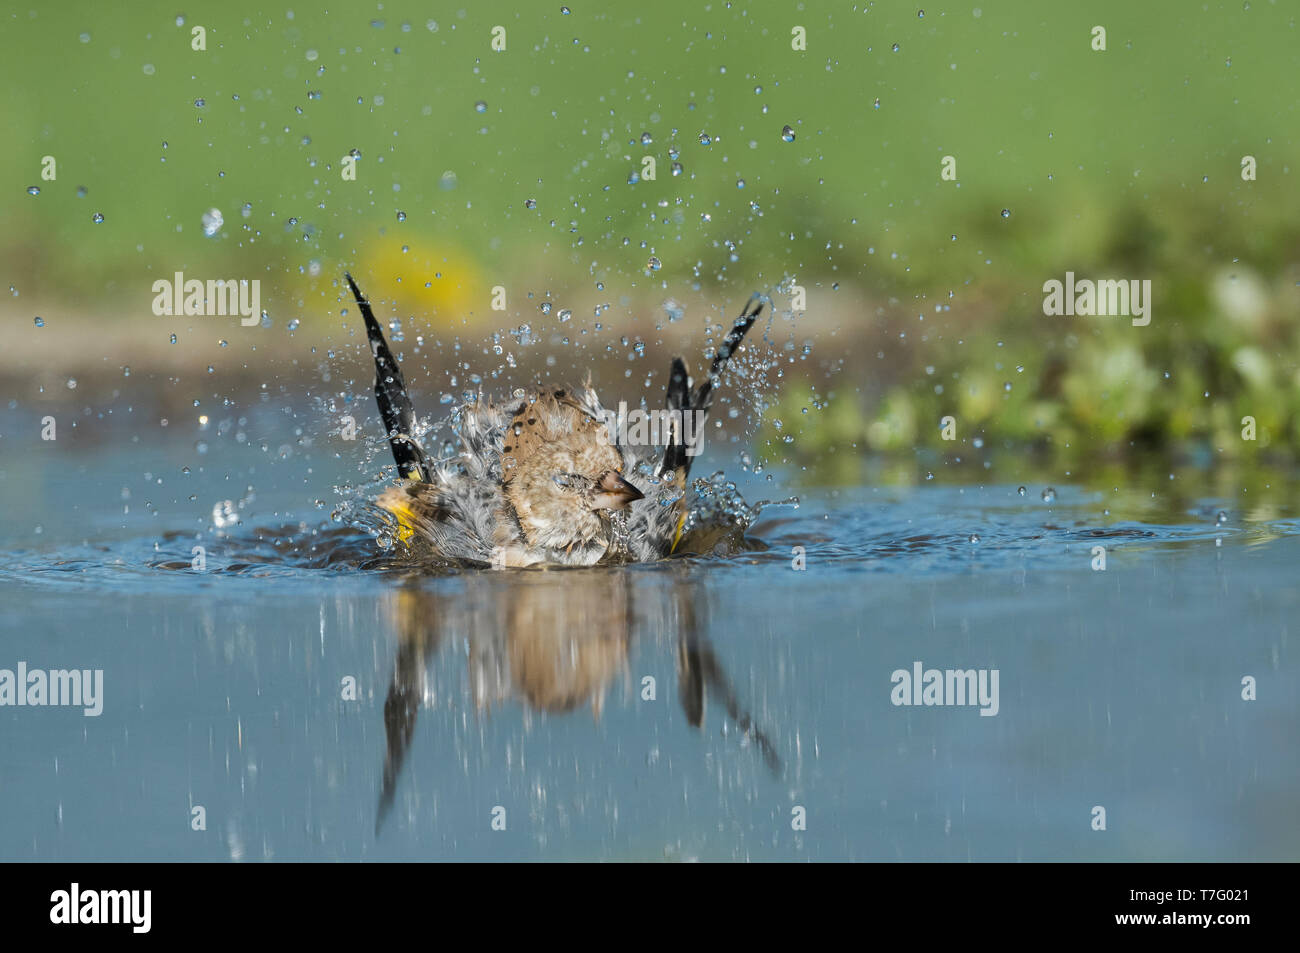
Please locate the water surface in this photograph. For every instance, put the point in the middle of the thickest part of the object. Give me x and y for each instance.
(523, 696)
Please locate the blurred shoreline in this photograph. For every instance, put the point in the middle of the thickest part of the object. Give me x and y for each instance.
(857, 372)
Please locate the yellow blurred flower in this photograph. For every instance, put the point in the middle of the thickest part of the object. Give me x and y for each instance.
(436, 282)
(430, 281)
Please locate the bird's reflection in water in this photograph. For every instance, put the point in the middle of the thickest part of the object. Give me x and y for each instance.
(554, 641)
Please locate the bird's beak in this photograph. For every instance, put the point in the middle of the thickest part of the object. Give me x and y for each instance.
(614, 493)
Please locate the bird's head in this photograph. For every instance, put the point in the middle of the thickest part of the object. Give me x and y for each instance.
(564, 493)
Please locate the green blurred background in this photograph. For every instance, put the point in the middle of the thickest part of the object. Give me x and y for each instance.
(923, 296)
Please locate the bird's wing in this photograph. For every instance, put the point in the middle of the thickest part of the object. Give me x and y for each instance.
(682, 398)
(454, 516)
(390, 394)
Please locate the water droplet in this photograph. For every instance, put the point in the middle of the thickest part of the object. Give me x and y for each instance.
(787, 134)
(1006, 213)
(173, 338)
(1020, 490)
(212, 222)
(706, 139)
(33, 190)
(654, 264)
(97, 218)
(72, 383)
(1049, 495)
(480, 107)
(740, 183)
(401, 216)
(646, 139)
(894, 48)
(200, 103)
(40, 322)
(564, 315)
(677, 168)
(974, 539)
(293, 324)
(1221, 517)
(81, 191)
(565, 11)
(224, 514)
(530, 203)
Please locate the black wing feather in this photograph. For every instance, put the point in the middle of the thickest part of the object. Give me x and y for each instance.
(390, 394)
(681, 398)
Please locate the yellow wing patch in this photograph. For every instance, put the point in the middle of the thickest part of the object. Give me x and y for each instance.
(395, 504)
(677, 537)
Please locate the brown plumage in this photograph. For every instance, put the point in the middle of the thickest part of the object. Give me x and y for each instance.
(538, 480)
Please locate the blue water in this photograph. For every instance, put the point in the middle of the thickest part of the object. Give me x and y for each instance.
(520, 697)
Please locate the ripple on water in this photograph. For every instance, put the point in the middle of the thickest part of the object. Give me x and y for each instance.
(915, 532)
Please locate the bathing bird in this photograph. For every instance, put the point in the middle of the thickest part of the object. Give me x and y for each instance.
(542, 478)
